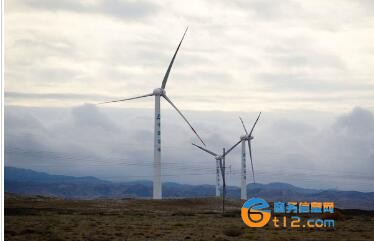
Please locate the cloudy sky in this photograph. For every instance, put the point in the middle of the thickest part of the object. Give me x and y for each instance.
(308, 65)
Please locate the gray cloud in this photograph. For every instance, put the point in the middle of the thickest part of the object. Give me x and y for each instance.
(269, 10)
(265, 54)
(123, 9)
(367, 5)
(306, 59)
(55, 96)
(89, 116)
(117, 144)
(359, 122)
(316, 84)
(55, 45)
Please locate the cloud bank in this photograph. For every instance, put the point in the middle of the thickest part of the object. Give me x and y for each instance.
(309, 55)
(319, 150)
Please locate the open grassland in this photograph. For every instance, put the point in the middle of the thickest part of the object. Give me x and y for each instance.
(41, 218)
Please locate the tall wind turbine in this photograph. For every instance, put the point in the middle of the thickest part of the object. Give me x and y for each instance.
(158, 93)
(247, 137)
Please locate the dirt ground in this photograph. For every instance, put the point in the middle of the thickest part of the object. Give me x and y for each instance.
(42, 218)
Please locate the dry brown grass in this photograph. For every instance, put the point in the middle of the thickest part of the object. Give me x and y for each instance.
(50, 219)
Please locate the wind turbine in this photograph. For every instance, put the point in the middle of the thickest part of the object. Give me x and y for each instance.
(219, 159)
(247, 137)
(158, 93)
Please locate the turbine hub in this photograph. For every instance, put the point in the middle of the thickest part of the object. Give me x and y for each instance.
(159, 92)
(246, 137)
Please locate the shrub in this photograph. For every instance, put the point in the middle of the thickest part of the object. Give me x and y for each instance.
(233, 231)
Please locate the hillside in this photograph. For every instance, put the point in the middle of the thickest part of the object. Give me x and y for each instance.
(29, 182)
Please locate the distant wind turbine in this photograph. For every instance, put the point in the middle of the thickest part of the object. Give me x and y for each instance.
(219, 159)
(158, 93)
(247, 137)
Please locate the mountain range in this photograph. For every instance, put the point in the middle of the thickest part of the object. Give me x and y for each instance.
(29, 182)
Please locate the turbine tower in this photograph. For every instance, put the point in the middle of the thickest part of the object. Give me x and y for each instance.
(247, 137)
(158, 93)
(219, 159)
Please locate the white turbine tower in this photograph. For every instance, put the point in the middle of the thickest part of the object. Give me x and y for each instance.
(247, 137)
(158, 93)
(218, 159)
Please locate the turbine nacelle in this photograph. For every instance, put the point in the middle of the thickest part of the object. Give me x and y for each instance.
(159, 92)
(246, 138)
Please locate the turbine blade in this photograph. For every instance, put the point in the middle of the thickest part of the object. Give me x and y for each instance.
(250, 156)
(250, 133)
(227, 152)
(206, 150)
(171, 63)
(132, 98)
(172, 104)
(245, 129)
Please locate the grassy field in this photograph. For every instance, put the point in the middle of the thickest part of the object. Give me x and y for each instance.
(41, 218)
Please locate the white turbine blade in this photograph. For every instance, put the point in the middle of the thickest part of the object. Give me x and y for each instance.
(250, 133)
(132, 98)
(227, 152)
(206, 150)
(171, 103)
(245, 129)
(250, 156)
(171, 63)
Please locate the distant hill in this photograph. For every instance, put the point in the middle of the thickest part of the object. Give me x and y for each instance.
(27, 175)
(29, 182)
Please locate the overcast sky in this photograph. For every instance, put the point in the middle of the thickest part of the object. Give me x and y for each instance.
(308, 65)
